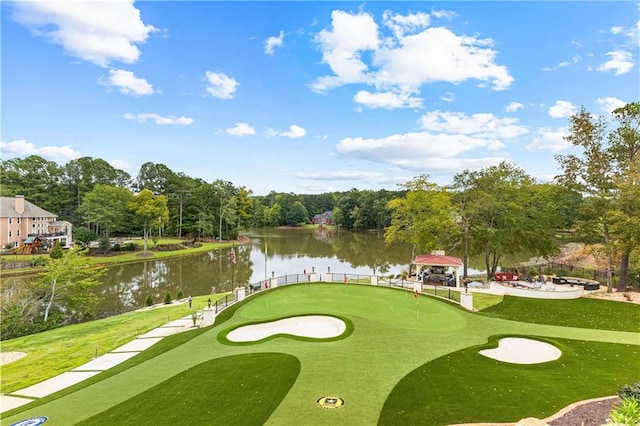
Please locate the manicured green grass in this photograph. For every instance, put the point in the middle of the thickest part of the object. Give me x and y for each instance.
(447, 390)
(582, 313)
(394, 334)
(55, 351)
(482, 301)
(210, 393)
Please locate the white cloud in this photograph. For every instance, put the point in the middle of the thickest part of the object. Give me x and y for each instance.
(357, 52)
(419, 150)
(550, 140)
(273, 42)
(448, 97)
(220, 85)
(341, 47)
(621, 62)
(241, 129)
(574, 60)
(126, 82)
(562, 109)
(616, 30)
(481, 125)
(513, 106)
(609, 104)
(22, 148)
(402, 24)
(99, 32)
(347, 175)
(170, 119)
(389, 100)
(443, 14)
(294, 132)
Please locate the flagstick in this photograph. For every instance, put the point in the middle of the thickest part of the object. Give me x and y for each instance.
(417, 312)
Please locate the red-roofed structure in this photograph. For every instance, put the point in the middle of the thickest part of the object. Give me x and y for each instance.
(428, 261)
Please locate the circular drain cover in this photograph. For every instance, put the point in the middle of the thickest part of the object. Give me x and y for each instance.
(330, 402)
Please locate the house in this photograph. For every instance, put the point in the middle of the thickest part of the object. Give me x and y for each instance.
(325, 218)
(21, 219)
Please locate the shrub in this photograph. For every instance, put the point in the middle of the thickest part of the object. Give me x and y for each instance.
(626, 413)
(180, 295)
(116, 247)
(149, 301)
(8, 246)
(630, 391)
(129, 247)
(167, 299)
(56, 250)
(38, 261)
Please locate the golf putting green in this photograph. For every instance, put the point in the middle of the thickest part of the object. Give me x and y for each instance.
(400, 348)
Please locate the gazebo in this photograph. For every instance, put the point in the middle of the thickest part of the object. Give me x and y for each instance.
(439, 260)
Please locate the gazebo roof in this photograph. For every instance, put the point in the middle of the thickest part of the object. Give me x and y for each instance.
(437, 260)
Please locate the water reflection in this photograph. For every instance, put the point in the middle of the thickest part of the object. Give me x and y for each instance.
(271, 251)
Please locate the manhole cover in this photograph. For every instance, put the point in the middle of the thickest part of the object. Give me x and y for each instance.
(330, 402)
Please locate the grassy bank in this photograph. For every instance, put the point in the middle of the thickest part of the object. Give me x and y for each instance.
(55, 351)
(120, 257)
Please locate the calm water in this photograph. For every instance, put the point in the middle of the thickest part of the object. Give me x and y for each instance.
(281, 251)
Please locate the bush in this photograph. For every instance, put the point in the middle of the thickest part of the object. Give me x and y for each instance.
(167, 299)
(129, 247)
(180, 295)
(116, 247)
(38, 261)
(149, 301)
(56, 250)
(8, 246)
(630, 391)
(626, 413)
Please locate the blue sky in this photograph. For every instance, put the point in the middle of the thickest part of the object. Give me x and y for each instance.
(311, 97)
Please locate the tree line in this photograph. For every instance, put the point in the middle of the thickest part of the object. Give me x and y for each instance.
(492, 212)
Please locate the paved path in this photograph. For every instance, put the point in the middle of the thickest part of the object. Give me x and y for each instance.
(104, 362)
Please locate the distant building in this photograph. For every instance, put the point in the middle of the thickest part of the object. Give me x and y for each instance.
(325, 218)
(20, 219)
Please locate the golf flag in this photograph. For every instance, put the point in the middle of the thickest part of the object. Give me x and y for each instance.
(415, 293)
(233, 254)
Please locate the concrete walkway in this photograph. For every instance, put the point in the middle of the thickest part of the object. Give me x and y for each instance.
(104, 362)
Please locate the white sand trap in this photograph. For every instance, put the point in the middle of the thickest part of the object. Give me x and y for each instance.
(316, 326)
(7, 357)
(522, 351)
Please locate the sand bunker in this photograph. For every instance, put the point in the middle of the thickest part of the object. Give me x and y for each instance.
(522, 351)
(315, 326)
(7, 357)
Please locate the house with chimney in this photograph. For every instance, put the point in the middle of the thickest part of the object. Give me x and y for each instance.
(22, 222)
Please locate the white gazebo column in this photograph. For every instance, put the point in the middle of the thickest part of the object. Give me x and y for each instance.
(458, 276)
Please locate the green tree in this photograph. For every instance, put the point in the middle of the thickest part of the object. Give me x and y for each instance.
(56, 250)
(151, 210)
(297, 214)
(84, 235)
(106, 206)
(591, 173)
(67, 284)
(423, 217)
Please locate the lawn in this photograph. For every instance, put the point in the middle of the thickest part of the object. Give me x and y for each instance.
(55, 351)
(396, 338)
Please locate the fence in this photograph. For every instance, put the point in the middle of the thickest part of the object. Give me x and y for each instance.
(448, 293)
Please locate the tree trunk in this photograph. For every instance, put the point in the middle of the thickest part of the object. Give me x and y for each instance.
(50, 303)
(624, 271)
(146, 237)
(607, 247)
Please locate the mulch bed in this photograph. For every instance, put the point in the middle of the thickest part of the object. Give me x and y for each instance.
(590, 414)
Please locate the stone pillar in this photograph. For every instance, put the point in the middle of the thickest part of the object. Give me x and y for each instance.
(374, 280)
(273, 282)
(240, 294)
(328, 277)
(466, 301)
(417, 286)
(313, 277)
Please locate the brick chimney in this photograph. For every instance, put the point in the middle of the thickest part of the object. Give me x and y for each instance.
(19, 203)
